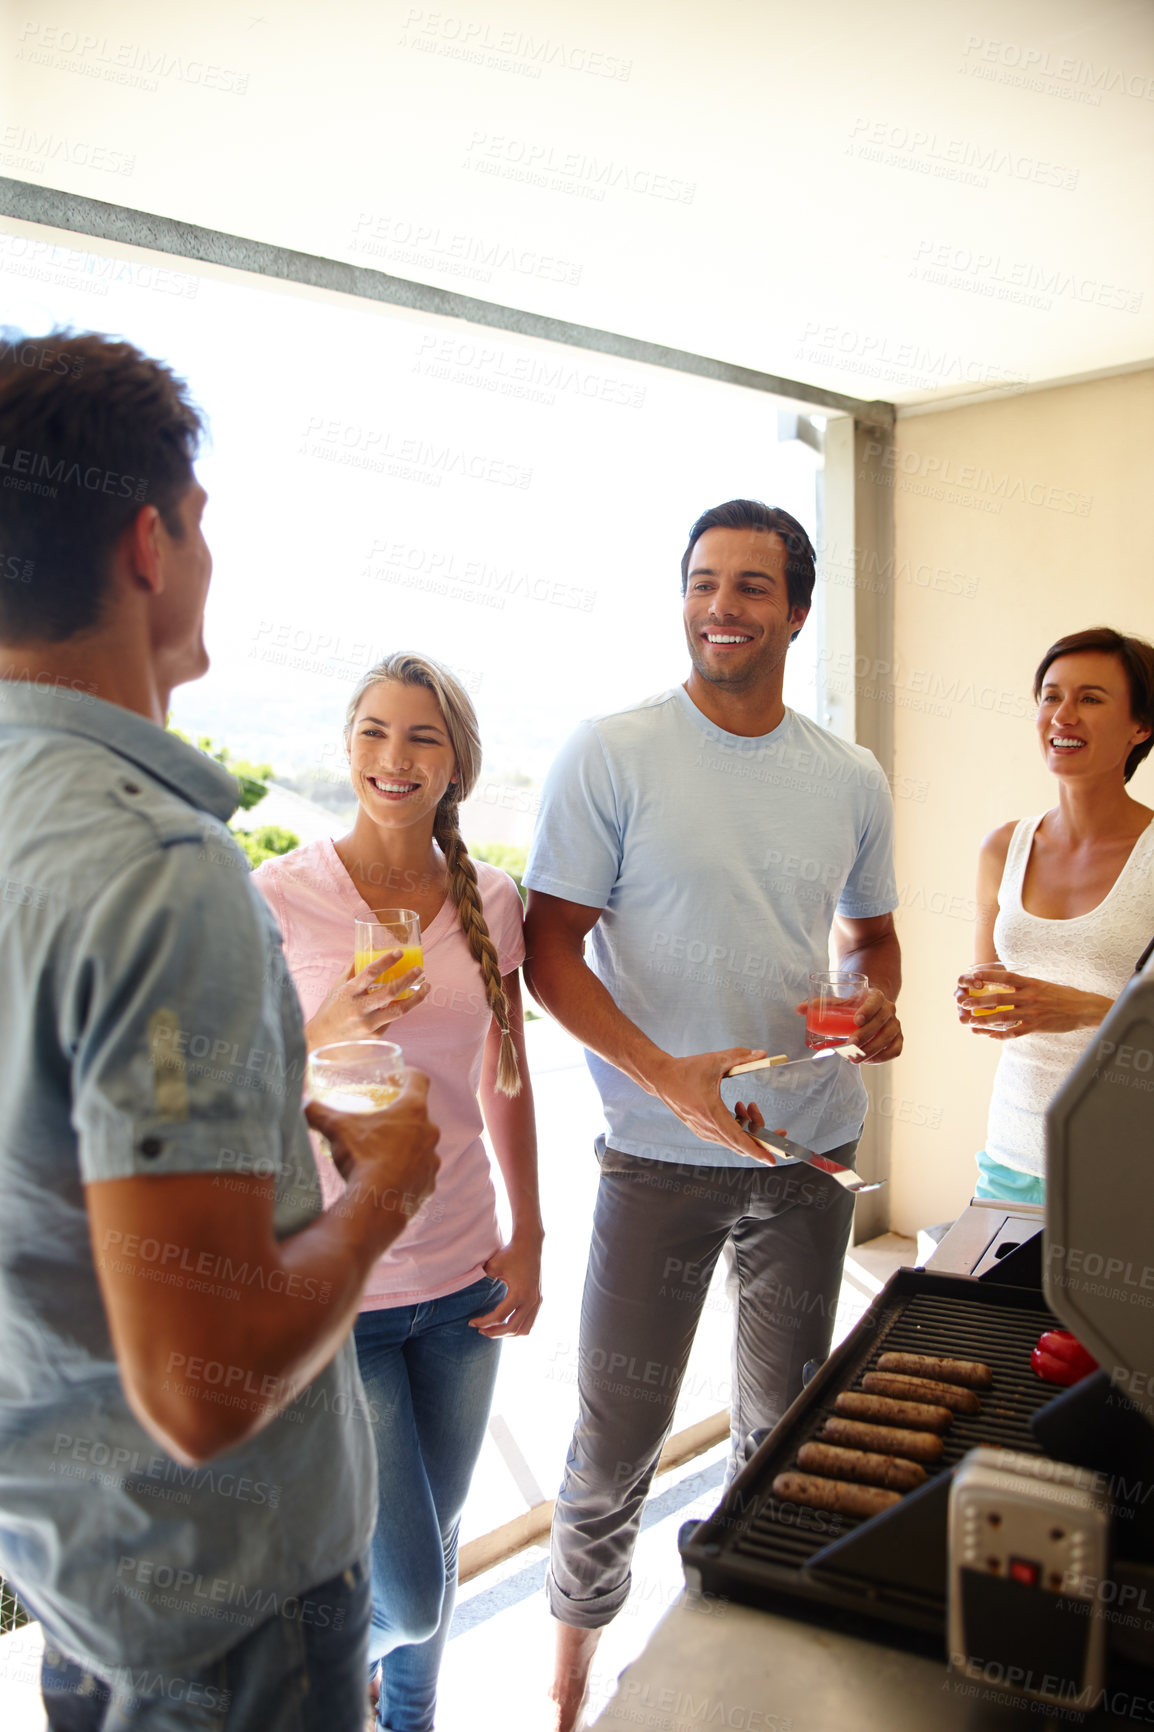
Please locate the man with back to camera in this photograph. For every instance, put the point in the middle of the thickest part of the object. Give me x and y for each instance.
(187, 1475)
(710, 840)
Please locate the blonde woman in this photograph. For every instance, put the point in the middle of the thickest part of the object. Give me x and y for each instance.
(442, 1296)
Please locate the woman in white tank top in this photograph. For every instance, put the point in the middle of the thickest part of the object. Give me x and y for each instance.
(1065, 900)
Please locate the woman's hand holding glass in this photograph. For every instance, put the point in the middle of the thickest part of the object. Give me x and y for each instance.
(361, 1009)
(993, 1001)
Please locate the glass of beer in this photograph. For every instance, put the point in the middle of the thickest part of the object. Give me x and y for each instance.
(356, 1076)
(389, 928)
(834, 997)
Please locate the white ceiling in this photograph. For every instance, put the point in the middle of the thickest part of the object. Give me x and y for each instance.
(905, 201)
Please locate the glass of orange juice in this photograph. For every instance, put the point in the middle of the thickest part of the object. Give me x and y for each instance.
(834, 996)
(389, 928)
(356, 1076)
(985, 979)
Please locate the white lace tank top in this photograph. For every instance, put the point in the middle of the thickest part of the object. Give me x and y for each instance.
(1095, 951)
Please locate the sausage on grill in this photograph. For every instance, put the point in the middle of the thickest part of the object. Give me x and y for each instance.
(864, 1467)
(884, 1439)
(833, 1494)
(915, 1414)
(970, 1372)
(949, 1395)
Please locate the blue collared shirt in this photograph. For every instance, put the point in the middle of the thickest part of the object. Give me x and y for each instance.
(149, 1026)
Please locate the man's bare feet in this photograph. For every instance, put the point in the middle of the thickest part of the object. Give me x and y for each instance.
(570, 1687)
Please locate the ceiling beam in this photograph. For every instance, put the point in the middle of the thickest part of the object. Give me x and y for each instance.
(110, 222)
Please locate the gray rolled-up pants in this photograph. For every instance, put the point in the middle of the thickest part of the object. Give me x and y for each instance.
(658, 1229)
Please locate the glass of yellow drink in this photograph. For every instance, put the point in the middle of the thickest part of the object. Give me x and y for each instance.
(989, 982)
(355, 1076)
(389, 928)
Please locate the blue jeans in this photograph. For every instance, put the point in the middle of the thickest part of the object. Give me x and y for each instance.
(300, 1671)
(429, 1381)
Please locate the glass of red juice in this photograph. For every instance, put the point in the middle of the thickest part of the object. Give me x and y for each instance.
(834, 998)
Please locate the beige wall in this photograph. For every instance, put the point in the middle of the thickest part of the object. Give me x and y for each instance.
(1016, 521)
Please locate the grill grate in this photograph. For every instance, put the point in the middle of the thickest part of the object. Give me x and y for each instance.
(755, 1546)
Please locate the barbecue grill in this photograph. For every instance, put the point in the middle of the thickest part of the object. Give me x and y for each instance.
(889, 1568)
(887, 1575)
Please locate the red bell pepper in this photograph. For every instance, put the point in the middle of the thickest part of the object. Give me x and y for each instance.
(1060, 1358)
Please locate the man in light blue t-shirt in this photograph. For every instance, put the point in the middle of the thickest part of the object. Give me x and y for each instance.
(711, 842)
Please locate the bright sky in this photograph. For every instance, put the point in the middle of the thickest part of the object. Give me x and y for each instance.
(381, 480)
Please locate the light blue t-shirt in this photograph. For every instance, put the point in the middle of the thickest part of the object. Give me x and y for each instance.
(719, 862)
(149, 1027)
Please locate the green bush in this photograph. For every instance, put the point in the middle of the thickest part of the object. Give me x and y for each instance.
(269, 840)
(511, 859)
(507, 855)
(253, 778)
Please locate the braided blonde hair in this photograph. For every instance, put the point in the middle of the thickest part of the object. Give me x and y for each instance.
(464, 736)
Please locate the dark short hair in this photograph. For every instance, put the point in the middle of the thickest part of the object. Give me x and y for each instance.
(91, 430)
(1136, 656)
(800, 560)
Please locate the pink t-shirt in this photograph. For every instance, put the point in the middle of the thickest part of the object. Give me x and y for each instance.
(315, 901)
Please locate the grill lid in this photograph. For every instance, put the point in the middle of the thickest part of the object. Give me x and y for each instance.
(1099, 1195)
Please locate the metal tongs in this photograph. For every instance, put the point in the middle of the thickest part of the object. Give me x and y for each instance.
(779, 1061)
(791, 1151)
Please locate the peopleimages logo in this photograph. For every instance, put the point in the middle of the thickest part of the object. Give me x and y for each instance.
(998, 276)
(385, 450)
(126, 1464)
(986, 56)
(91, 273)
(552, 166)
(505, 50)
(137, 64)
(958, 159)
(185, 1587)
(994, 489)
(24, 147)
(36, 466)
(459, 254)
(39, 358)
